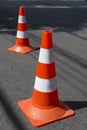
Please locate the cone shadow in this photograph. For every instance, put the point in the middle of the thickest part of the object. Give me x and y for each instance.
(76, 105)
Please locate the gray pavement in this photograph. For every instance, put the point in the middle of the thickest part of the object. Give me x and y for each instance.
(68, 21)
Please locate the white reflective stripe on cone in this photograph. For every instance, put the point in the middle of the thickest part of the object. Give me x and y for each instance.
(45, 85)
(21, 19)
(22, 34)
(46, 56)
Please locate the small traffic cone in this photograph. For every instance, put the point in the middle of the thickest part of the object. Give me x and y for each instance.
(45, 107)
(22, 44)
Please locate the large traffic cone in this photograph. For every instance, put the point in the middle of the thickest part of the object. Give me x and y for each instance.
(22, 44)
(45, 107)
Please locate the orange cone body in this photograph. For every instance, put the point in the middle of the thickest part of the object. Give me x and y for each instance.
(22, 44)
(45, 107)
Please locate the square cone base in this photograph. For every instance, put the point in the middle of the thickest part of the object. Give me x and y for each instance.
(21, 49)
(40, 117)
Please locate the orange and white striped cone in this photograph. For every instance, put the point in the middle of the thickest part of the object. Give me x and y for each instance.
(22, 44)
(45, 107)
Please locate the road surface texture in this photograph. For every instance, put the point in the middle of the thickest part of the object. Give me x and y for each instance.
(68, 22)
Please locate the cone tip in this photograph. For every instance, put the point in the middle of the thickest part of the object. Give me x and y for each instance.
(47, 39)
(21, 10)
(47, 31)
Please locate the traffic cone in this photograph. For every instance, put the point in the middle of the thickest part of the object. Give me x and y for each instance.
(22, 44)
(45, 107)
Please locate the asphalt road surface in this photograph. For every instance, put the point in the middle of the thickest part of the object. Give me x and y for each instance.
(68, 22)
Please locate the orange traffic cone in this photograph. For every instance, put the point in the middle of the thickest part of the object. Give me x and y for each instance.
(45, 107)
(22, 42)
